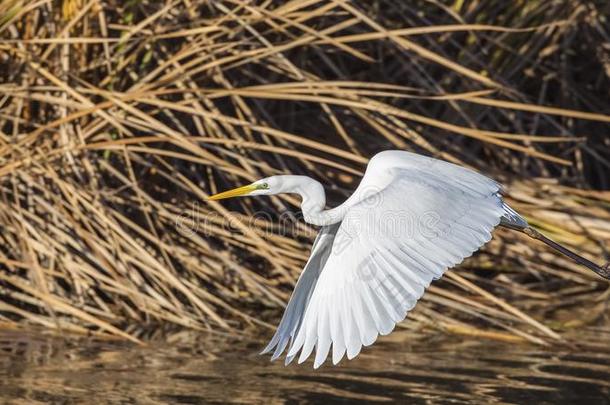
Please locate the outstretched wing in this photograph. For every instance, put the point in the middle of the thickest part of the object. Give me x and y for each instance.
(293, 314)
(387, 250)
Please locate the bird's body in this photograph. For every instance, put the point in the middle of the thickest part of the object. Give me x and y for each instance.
(410, 219)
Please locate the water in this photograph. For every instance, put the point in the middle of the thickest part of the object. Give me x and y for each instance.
(403, 367)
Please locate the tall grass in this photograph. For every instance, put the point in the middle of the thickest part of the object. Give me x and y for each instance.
(117, 119)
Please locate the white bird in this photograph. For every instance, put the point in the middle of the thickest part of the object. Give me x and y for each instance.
(411, 218)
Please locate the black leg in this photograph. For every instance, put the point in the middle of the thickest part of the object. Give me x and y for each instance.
(603, 271)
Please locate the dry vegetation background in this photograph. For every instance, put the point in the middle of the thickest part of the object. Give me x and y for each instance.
(118, 118)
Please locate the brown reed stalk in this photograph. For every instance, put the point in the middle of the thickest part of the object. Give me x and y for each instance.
(117, 119)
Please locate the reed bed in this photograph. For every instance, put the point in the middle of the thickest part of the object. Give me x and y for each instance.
(117, 119)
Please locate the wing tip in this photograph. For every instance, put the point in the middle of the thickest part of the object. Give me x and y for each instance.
(266, 350)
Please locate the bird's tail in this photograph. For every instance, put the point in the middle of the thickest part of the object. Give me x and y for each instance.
(603, 271)
(511, 219)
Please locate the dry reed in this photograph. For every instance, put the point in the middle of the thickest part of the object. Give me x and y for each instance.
(117, 119)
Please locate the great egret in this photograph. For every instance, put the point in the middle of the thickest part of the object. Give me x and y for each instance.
(411, 218)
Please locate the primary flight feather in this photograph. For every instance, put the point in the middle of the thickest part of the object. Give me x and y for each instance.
(410, 219)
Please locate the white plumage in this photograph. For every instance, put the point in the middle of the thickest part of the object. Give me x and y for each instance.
(410, 219)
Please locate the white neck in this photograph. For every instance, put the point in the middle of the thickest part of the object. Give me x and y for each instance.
(313, 200)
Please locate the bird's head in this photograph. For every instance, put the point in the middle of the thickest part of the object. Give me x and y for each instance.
(267, 186)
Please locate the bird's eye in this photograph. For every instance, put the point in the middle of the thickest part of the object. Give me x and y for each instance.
(265, 186)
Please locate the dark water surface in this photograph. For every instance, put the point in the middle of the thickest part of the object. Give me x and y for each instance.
(401, 368)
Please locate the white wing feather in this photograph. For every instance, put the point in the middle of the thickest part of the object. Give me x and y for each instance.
(385, 253)
(293, 314)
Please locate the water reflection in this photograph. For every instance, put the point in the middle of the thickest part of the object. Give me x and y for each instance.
(404, 367)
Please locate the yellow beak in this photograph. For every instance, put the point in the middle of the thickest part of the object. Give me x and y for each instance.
(236, 192)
